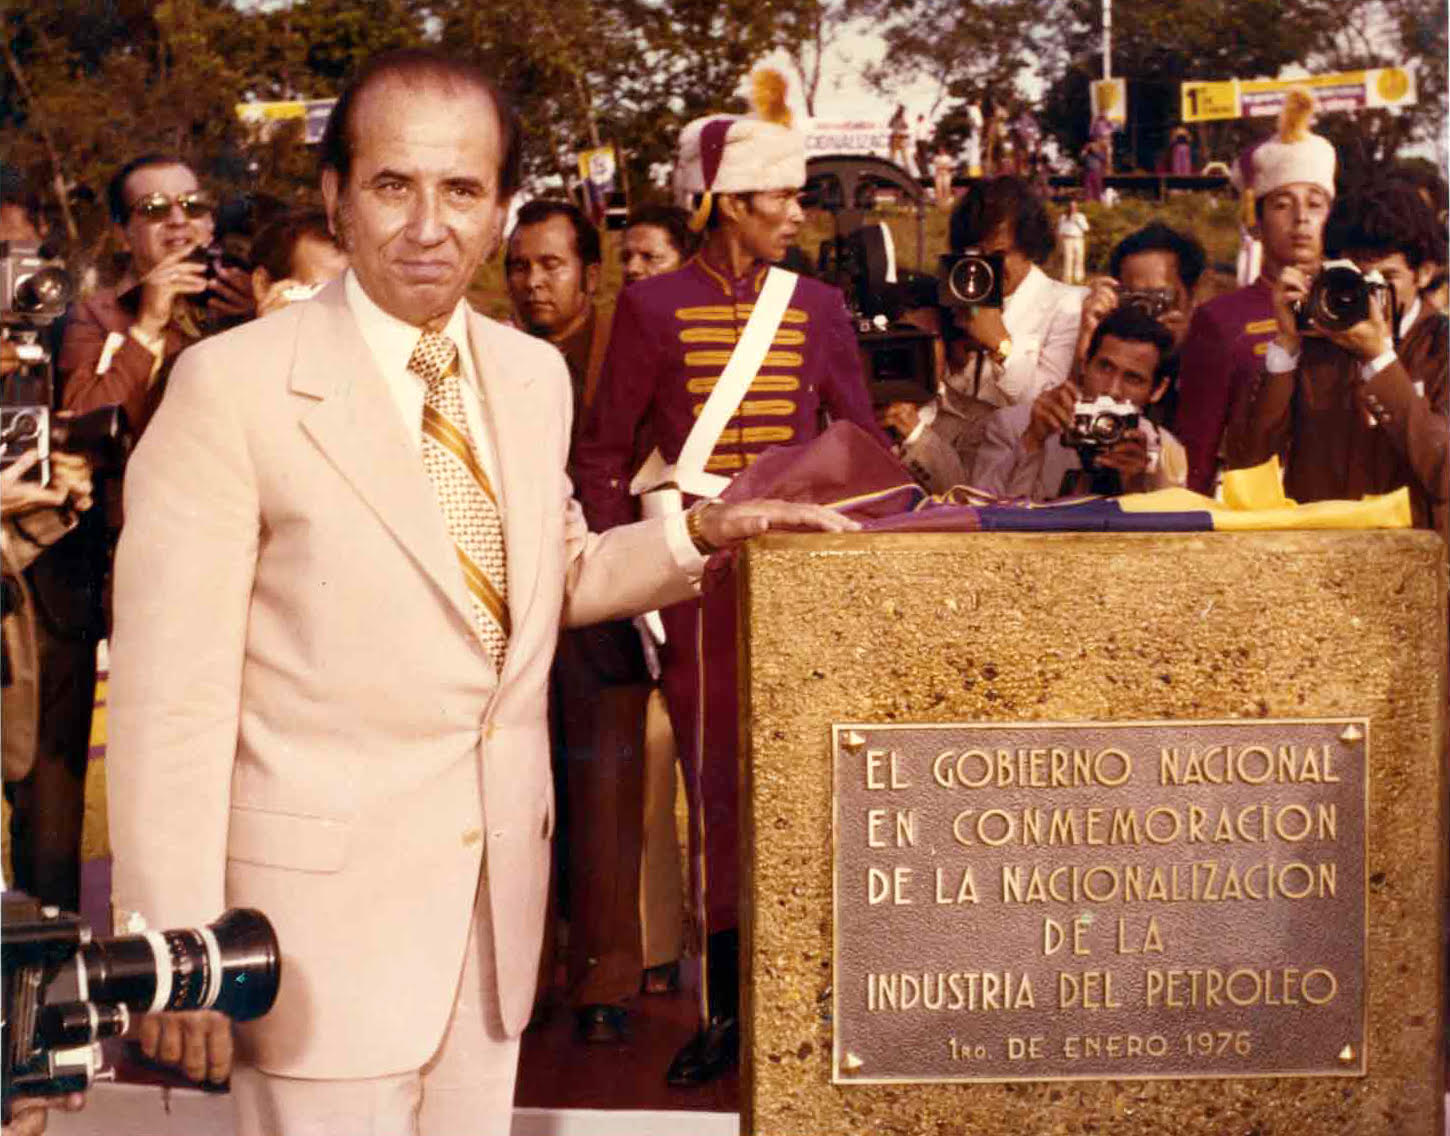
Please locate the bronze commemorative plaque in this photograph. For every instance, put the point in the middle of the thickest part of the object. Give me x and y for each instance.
(1040, 901)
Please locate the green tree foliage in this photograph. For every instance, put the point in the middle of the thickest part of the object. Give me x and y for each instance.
(92, 84)
(1157, 44)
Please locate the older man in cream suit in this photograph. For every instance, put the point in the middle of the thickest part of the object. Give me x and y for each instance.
(349, 545)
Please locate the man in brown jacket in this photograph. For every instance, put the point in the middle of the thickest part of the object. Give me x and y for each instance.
(120, 343)
(1361, 410)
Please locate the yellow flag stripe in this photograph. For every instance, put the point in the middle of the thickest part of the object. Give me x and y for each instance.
(452, 439)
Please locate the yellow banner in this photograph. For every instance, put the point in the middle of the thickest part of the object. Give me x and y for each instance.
(1110, 99)
(1203, 101)
(1343, 90)
(272, 112)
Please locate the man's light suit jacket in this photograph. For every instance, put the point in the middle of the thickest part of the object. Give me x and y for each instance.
(302, 719)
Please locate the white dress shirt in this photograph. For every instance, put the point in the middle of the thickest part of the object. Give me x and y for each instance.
(391, 342)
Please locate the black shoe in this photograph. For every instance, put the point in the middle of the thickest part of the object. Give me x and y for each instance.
(712, 1051)
(602, 1025)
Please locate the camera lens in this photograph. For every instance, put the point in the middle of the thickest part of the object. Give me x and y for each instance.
(1341, 299)
(233, 965)
(48, 289)
(1105, 427)
(23, 427)
(971, 280)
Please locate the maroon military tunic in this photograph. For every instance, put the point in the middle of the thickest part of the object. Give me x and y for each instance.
(671, 338)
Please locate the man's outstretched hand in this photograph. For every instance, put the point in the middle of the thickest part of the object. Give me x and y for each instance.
(726, 524)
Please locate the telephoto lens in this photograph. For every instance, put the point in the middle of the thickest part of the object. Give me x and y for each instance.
(233, 965)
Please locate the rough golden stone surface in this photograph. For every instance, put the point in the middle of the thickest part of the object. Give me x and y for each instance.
(1067, 627)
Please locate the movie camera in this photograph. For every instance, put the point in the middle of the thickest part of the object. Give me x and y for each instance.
(65, 991)
(898, 358)
(34, 291)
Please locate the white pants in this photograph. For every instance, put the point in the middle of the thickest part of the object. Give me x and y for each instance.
(466, 1088)
(1072, 259)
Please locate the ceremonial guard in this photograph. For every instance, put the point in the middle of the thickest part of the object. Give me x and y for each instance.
(707, 368)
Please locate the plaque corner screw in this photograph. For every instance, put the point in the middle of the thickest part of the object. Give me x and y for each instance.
(1347, 1054)
(853, 740)
(1351, 733)
(850, 1063)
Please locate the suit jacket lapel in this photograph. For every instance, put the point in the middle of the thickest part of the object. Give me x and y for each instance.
(356, 425)
(516, 443)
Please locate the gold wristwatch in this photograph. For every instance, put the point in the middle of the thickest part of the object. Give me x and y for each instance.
(1004, 348)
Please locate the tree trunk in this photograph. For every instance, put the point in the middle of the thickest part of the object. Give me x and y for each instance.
(62, 197)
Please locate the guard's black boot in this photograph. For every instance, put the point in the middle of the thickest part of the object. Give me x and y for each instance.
(716, 1047)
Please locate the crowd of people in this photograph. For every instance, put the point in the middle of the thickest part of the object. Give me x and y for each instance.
(393, 578)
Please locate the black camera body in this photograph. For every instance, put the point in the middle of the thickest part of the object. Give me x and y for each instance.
(1098, 425)
(1339, 297)
(65, 991)
(972, 279)
(34, 285)
(1152, 302)
(35, 290)
(898, 358)
(103, 435)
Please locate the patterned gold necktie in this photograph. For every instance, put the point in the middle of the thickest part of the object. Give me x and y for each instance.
(465, 494)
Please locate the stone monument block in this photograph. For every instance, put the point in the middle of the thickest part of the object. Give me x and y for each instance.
(1071, 833)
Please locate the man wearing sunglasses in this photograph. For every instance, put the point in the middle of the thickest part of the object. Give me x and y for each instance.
(120, 343)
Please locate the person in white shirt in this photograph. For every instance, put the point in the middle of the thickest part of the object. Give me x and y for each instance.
(1026, 345)
(1072, 229)
(995, 356)
(1025, 452)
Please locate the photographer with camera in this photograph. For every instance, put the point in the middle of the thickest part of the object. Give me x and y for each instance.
(1090, 435)
(1352, 392)
(121, 342)
(1290, 179)
(1020, 324)
(1007, 330)
(1156, 270)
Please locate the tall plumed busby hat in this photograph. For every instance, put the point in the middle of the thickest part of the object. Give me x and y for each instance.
(727, 153)
(1294, 154)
